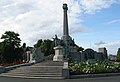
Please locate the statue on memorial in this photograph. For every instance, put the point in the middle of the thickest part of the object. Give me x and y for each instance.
(57, 41)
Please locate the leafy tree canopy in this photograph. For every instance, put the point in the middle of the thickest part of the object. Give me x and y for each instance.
(10, 46)
(118, 54)
(11, 38)
(46, 46)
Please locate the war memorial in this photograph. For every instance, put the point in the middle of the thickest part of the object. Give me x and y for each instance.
(65, 49)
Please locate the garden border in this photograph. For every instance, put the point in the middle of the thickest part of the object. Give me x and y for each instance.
(94, 75)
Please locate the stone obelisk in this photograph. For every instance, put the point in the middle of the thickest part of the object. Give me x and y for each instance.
(65, 36)
(65, 20)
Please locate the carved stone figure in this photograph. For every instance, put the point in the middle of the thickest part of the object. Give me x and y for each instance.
(57, 41)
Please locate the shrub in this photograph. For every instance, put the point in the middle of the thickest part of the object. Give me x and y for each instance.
(98, 67)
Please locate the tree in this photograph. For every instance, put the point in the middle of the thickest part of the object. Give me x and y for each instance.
(11, 38)
(118, 54)
(39, 42)
(1, 52)
(46, 46)
(89, 54)
(11, 44)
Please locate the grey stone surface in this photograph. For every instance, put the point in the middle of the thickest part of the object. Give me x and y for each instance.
(90, 54)
(97, 79)
(76, 56)
(2, 69)
(65, 21)
(65, 70)
(95, 75)
(17, 66)
(58, 53)
(28, 53)
(65, 73)
(46, 69)
(38, 55)
(104, 52)
(34, 55)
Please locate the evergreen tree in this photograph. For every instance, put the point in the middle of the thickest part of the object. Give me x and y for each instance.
(10, 46)
(118, 54)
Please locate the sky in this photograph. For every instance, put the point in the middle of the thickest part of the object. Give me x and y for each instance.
(92, 23)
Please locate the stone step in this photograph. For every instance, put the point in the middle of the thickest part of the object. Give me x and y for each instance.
(33, 77)
(39, 69)
(49, 63)
(51, 68)
(46, 69)
(36, 73)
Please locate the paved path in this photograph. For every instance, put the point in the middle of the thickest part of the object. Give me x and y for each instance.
(98, 79)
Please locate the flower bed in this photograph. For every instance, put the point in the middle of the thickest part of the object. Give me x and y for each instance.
(11, 64)
(94, 68)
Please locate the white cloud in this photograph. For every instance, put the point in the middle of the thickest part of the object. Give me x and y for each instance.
(100, 43)
(112, 47)
(36, 19)
(114, 21)
(91, 6)
(114, 43)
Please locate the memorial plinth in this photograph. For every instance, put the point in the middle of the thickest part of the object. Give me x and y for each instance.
(58, 53)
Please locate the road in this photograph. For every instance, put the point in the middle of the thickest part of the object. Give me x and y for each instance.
(98, 79)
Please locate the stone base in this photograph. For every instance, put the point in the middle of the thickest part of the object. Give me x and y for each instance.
(2, 69)
(58, 58)
(58, 53)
